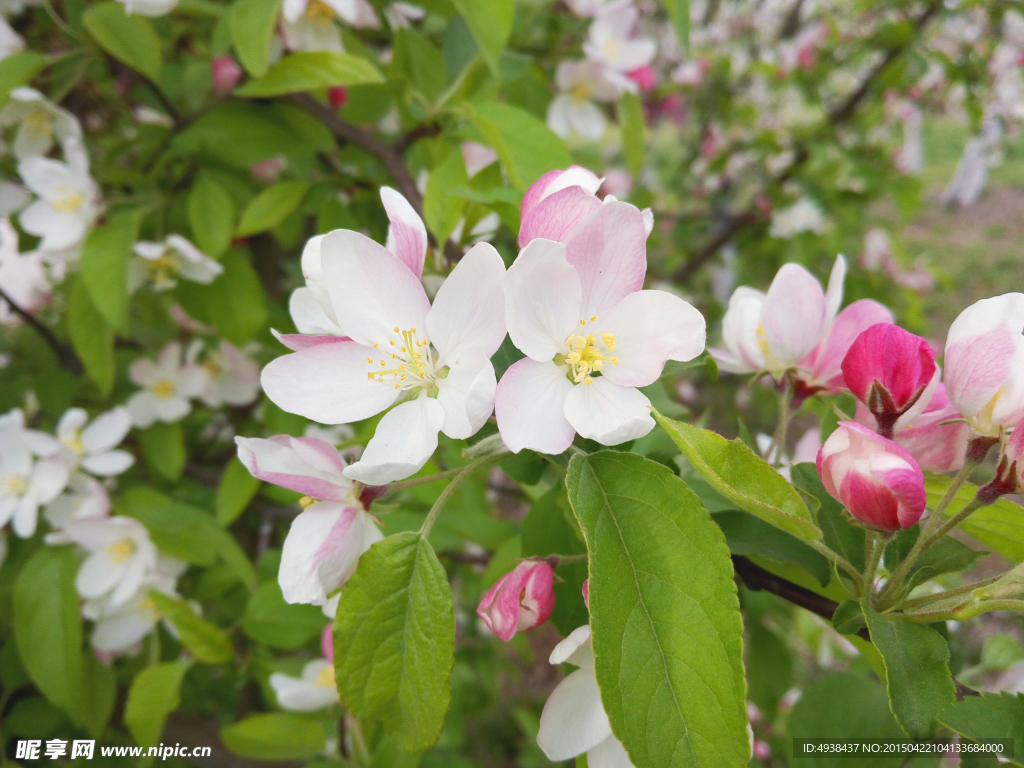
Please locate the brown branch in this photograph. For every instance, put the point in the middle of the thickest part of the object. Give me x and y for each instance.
(758, 578)
(65, 355)
(842, 114)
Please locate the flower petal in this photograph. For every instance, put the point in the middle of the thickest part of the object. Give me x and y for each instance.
(573, 720)
(469, 309)
(609, 754)
(609, 251)
(793, 316)
(407, 236)
(529, 406)
(308, 314)
(556, 216)
(108, 463)
(542, 300)
(610, 414)
(276, 461)
(297, 574)
(467, 396)
(107, 430)
(327, 383)
(404, 441)
(826, 359)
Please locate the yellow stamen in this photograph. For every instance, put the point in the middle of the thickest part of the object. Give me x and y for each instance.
(121, 550)
(163, 388)
(326, 678)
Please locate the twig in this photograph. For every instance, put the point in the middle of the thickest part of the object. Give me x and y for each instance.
(65, 355)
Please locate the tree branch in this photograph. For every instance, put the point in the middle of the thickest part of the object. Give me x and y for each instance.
(757, 578)
(67, 357)
(842, 114)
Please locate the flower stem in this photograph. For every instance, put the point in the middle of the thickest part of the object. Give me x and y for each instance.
(414, 481)
(838, 560)
(876, 548)
(460, 476)
(783, 427)
(929, 599)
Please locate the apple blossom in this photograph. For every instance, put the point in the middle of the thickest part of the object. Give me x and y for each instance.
(151, 8)
(573, 720)
(162, 263)
(67, 204)
(434, 359)
(400, 15)
(308, 25)
(610, 39)
(40, 122)
(84, 497)
(10, 43)
(234, 377)
(579, 82)
(25, 482)
(327, 539)
(314, 690)
(876, 479)
(93, 448)
(520, 600)
(168, 386)
(937, 437)
(476, 157)
(225, 74)
(892, 372)
(590, 334)
(22, 276)
(268, 170)
(802, 216)
(984, 361)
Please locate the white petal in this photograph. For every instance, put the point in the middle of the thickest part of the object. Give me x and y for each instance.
(834, 292)
(794, 314)
(121, 630)
(469, 309)
(309, 316)
(576, 649)
(337, 558)
(109, 463)
(529, 406)
(297, 574)
(407, 236)
(467, 396)
(107, 430)
(586, 118)
(609, 754)
(142, 408)
(98, 575)
(71, 422)
(558, 115)
(610, 414)
(573, 720)
(404, 441)
(542, 299)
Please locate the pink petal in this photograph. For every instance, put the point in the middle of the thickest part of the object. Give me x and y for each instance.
(793, 316)
(407, 236)
(299, 341)
(556, 216)
(825, 360)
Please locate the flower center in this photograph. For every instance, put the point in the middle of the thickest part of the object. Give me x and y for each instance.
(406, 362)
(163, 388)
(74, 443)
(121, 550)
(67, 200)
(163, 268)
(587, 354)
(147, 606)
(13, 485)
(983, 423)
(38, 123)
(580, 92)
(325, 679)
(320, 12)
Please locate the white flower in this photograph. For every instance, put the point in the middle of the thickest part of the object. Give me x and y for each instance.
(120, 627)
(68, 202)
(22, 276)
(151, 8)
(40, 122)
(162, 263)
(25, 483)
(92, 447)
(327, 539)
(433, 361)
(579, 82)
(10, 41)
(84, 498)
(308, 25)
(402, 14)
(802, 216)
(610, 41)
(476, 157)
(168, 387)
(234, 377)
(121, 555)
(315, 690)
(574, 720)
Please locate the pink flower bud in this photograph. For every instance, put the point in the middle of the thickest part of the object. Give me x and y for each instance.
(875, 478)
(337, 97)
(892, 372)
(556, 203)
(268, 170)
(644, 77)
(226, 73)
(522, 599)
(762, 751)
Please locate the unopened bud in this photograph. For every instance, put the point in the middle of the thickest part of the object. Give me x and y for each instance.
(225, 74)
(522, 599)
(337, 97)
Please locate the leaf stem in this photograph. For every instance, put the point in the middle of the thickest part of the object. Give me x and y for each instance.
(838, 560)
(460, 476)
(928, 599)
(414, 481)
(358, 740)
(784, 418)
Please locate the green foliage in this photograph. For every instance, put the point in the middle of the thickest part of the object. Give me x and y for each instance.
(998, 525)
(271, 206)
(153, 695)
(838, 533)
(163, 446)
(737, 473)
(269, 619)
(91, 337)
(989, 716)
(945, 556)
(916, 671)
(104, 267)
(679, 13)
(211, 215)
(394, 640)
(631, 118)
(129, 38)
(206, 642)
(19, 69)
(276, 736)
(237, 488)
(235, 302)
(309, 70)
(748, 535)
(252, 25)
(526, 146)
(490, 21)
(664, 612)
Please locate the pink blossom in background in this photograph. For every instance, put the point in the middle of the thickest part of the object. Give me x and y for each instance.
(225, 74)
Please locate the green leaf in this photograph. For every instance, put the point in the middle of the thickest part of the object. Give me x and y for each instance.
(945, 556)
(843, 705)
(271, 206)
(47, 626)
(276, 736)
(916, 671)
(99, 690)
(679, 13)
(631, 123)
(18, 69)
(849, 618)
(422, 63)
(769, 667)
(104, 265)
(526, 146)
(1000, 652)
(999, 525)
(163, 446)
(839, 534)
(237, 488)
(253, 23)
(129, 38)
(442, 209)
(309, 70)
(211, 215)
(269, 619)
(749, 535)
(505, 558)
(91, 337)
(490, 21)
(154, 694)
(737, 473)
(235, 301)
(550, 528)
(206, 642)
(989, 716)
(394, 640)
(664, 612)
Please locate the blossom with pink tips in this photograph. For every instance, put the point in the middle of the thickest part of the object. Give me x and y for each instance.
(892, 372)
(556, 203)
(225, 74)
(520, 600)
(876, 479)
(590, 334)
(984, 361)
